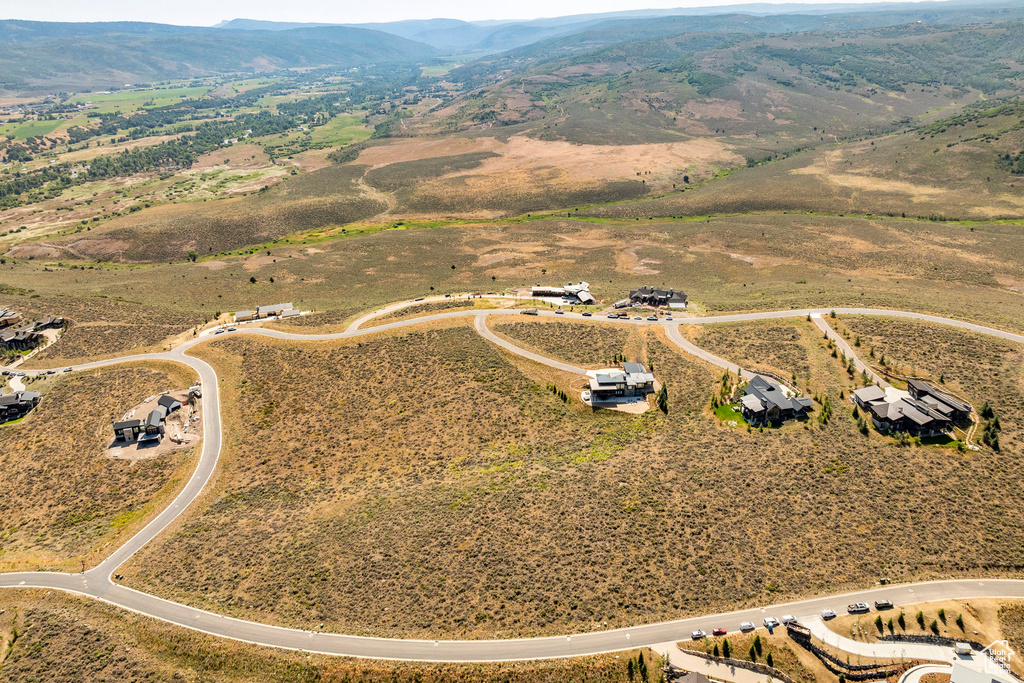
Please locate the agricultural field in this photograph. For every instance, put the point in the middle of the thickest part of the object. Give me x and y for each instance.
(515, 470)
(62, 506)
(57, 637)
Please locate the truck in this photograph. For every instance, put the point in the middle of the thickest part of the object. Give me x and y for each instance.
(858, 608)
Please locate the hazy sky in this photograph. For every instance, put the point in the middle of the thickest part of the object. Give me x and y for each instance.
(208, 12)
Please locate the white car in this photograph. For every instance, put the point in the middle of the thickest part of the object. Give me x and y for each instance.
(770, 622)
(559, 311)
(697, 635)
(788, 619)
(828, 613)
(747, 626)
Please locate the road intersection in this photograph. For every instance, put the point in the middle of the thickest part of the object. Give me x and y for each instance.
(97, 583)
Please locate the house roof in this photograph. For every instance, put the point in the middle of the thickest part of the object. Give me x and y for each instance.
(168, 401)
(243, 314)
(276, 308)
(127, 424)
(633, 368)
(156, 416)
(923, 388)
(870, 394)
(752, 403)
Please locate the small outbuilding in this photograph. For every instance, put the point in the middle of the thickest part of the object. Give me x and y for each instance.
(168, 403)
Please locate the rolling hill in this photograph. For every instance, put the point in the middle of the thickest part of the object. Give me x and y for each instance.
(72, 57)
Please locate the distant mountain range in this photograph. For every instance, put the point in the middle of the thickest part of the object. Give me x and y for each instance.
(51, 56)
(456, 36)
(73, 56)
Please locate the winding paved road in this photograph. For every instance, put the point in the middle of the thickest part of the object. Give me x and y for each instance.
(96, 582)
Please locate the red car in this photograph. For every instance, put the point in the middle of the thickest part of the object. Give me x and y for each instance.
(718, 632)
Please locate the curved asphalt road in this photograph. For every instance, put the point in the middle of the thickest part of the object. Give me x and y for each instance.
(96, 582)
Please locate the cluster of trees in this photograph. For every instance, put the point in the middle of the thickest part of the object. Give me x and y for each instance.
(990, 431)
(181, 153)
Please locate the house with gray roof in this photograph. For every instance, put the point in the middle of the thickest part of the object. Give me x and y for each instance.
(940, 401)
(633, 380)
(908, 415)
(16, 405)
(276, 309)
(651, 296)
(764, 401)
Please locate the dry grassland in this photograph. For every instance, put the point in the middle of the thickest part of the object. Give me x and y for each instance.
(61, 500)
(1011, 622)
(587, 344)
(485, 506)
(426, 309)
(779, 348)
(62, 638)
(938, 268)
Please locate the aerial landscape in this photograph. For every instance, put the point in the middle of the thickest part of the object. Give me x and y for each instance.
(626, 344)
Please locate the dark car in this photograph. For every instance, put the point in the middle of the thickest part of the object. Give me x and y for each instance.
(587, 314)
(883, 604)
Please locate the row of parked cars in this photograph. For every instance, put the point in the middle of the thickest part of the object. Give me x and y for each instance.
(21, 373)
(787, 619)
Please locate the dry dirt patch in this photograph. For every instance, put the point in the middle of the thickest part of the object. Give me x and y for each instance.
(416, 149)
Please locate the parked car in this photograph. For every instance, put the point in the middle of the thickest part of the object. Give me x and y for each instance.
(770, 622)
(559, 311)
(652, 317)
(747, 626)
(587, 314)
(858, 608)
(51, 372)
(828, 613)
(613, 315)
(232, 329)
(5, 373)
(529, 311)
(637, 317)
(883, 604)
(668, 318)
(220, 331)
(788, 619)
(719, 631)
(697, 635)
(963, 649)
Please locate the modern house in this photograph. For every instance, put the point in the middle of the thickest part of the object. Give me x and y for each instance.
(925, 412)
(765, 401)
(153, 428)
(127, 430)
(632, 380)
(940, 401)
(13, 406)
(243, 316)
(908, 415)
(20, 338)
(276, 309)
(9, 317)
(578, 293)
(865, 396)
(650, 296)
